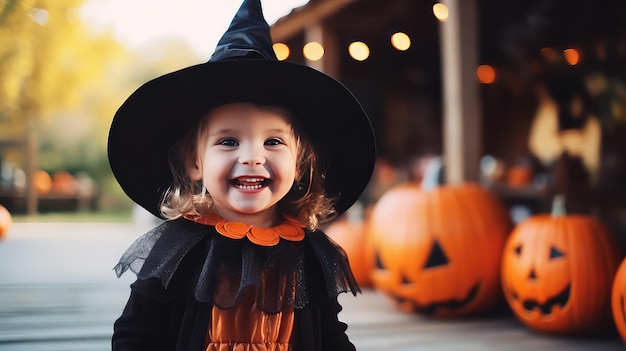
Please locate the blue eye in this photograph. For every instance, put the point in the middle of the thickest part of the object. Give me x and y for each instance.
(274, 141)
(228, 142)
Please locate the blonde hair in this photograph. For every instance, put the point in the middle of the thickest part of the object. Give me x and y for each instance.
(306, 200)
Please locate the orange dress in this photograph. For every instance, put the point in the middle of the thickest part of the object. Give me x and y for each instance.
(246, 327)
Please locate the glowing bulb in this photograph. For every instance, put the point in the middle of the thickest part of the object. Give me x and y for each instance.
(313, 51)
(440, 11)
(548, 54)
(281, 50)
(571, 56)
(400, 41)
(485, 74)
(359, 50)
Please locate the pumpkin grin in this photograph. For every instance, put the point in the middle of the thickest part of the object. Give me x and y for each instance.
(560, 300)
(437, 252)
(452, 304)
(557, 270)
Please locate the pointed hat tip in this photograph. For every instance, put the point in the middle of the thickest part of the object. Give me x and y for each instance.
(248, 35)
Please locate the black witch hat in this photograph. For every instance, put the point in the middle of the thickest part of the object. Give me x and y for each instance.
(243, 68)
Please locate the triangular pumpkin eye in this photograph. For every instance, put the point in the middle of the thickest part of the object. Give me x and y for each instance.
(437, 257)
(518, 250)
(379, 262)
(554, 252)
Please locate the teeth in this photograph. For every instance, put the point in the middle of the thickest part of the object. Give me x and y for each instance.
(249, 187)
(251, 180)
(249, 183)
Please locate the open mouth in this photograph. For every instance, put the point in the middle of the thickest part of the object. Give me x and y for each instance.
(250, 183)
(431, 309)
(560, 299)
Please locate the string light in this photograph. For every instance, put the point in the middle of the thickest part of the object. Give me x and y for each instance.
(549, 54)
(281, 50)
(359, 51)
(313, 51)
(400, 41)
(440, 11)
(571, 56)
(485, 74)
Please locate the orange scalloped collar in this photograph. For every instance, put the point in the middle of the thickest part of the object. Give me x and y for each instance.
(291, 229)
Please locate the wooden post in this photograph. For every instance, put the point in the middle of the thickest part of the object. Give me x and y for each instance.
(462, 120)
(329, 63)
(31, 150)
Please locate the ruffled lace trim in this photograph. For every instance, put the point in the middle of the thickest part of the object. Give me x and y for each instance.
(219, 269)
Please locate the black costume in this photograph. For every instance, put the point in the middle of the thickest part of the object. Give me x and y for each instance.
(179, 262)
(198, 288)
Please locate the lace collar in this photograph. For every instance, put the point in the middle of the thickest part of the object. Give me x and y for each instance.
(291, 229)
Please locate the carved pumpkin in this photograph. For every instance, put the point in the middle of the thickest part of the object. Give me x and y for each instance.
(438, 250)
(618, 300)
(557, 272)
(353, 238)
(5, 221)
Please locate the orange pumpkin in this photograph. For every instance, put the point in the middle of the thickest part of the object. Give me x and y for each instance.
(63, 183)
(519, 176)
(353, 238)
(5, 221)
(557, 272)
(438, 250)
(618, 300)
(42, 182)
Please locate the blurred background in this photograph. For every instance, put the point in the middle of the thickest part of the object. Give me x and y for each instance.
(525, 98)
(66, 68)
(68, 65)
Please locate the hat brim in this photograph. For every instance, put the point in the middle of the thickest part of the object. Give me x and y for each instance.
(158, 114)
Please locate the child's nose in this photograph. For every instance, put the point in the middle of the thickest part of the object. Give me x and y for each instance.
(252, 155)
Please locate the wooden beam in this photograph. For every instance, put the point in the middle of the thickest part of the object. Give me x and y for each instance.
(462, 120)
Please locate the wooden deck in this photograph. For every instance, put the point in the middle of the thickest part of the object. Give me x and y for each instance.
(58, 293)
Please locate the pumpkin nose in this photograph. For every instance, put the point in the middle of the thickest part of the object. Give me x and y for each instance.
(436, 257)
(532, 275)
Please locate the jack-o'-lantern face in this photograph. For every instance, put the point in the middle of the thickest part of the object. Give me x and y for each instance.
(437, 265)
(547, 286)
(438, 252)
(556, 273)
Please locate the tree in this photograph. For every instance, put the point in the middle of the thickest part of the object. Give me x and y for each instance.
(47, 56)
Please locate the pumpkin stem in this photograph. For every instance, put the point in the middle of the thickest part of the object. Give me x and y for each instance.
(558, 205)
(432, 174)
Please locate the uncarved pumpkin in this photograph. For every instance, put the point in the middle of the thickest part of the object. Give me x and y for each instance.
(438, 250)
(519, 176)
(63, 183)
(5, 221)
(618, 300)
(353, 238)
(42, 182)
(557, 272)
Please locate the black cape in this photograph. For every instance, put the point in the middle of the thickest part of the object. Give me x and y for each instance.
(177, 265)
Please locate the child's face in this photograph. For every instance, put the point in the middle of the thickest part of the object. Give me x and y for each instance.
(247, 160)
